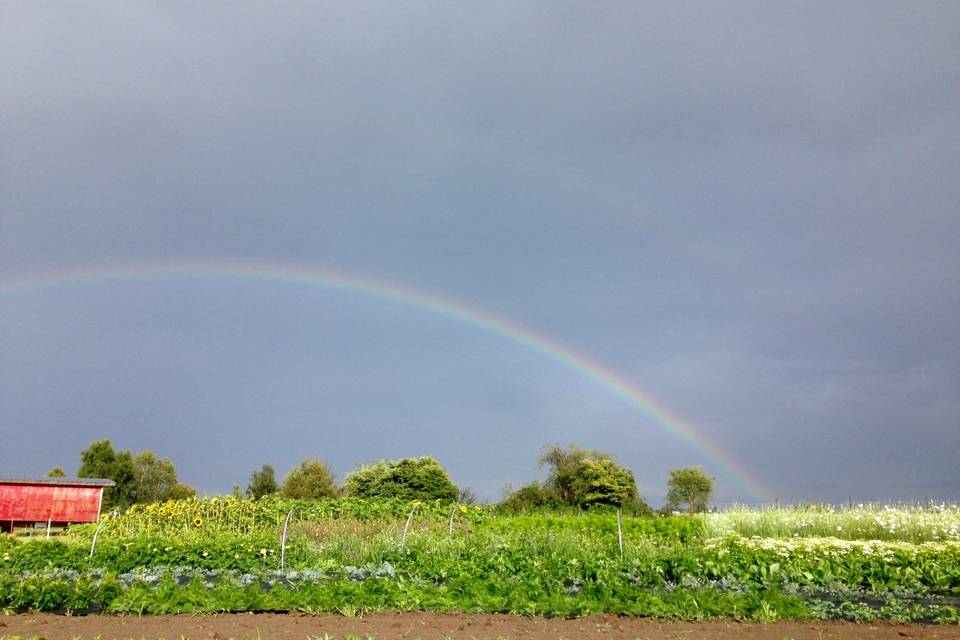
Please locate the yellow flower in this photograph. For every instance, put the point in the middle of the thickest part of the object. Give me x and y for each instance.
(198, 521)
(463, 508)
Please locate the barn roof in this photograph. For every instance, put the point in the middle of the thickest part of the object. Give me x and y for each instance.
(65, 482)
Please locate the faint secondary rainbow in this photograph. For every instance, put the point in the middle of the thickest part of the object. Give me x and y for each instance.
(407, 296)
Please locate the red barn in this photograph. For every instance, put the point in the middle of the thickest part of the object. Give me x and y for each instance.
(58, 501)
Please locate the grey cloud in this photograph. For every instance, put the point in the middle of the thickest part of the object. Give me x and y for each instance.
(748, 210)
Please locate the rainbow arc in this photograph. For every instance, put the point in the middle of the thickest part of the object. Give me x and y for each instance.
(567, 357)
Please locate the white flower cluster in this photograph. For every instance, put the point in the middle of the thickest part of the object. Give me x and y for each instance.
(909, 524)
(834, 547)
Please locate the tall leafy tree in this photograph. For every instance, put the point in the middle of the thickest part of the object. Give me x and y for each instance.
(156, 479)
(262, 482)
(140, 478)
(563, 465)
(407, 479)
(579, 477)
(689, 488)
(603, 482)
(311, 479)
(99, 460)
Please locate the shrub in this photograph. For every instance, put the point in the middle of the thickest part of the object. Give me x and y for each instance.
(262, 483)
(603, 482)
(312, 479)
(528, 497)
(407, 479)
(588, 478)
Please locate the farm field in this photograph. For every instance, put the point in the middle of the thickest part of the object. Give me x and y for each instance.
(353, 558)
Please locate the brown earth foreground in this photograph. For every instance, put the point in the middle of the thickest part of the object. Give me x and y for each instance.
(410, 626)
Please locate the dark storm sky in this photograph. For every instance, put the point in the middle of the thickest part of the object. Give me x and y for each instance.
(750, 211)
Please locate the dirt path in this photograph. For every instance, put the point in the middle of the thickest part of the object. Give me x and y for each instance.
(410, 626)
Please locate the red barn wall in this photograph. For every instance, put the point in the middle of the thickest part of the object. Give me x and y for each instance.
(38, 503)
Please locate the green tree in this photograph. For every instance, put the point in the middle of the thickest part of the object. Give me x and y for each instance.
(582, 478)
(407, 479)
(262, 483)
(312, 479)
(140, 478)
(155, 478)
(689, 486)
(532, 495)
(603, 482)
(181, 491)
(99, 460)
(563, 466)
(57, 472)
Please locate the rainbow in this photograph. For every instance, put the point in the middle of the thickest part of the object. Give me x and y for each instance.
(404, 295)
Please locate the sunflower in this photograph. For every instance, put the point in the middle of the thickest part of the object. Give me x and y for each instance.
(198, 521)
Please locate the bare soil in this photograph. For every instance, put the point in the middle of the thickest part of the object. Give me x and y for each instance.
(411, 626)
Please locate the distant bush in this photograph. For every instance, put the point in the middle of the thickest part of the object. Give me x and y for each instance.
(312, 479)
(407, 479)
(578, 478)
(530, 497)
(262, 483)
(603, 482)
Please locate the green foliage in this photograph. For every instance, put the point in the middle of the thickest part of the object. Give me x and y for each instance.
(529, 497)
(210, 517)
(262, 483)
(57, 472)
(156, 479)
(660, 530)
(139, 479)
(582, 478)
(863, 522)
(180, 491)
(689, 487)
(312, 479)
(99, 460)
(405, 479)
(563, 467)
(603, 482)
(344, 555)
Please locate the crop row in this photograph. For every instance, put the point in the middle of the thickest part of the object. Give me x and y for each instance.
(179, 590)
(213, 516)
(217, 515)
(554, 558)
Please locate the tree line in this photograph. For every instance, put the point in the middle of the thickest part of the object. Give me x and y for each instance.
(576, 478)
